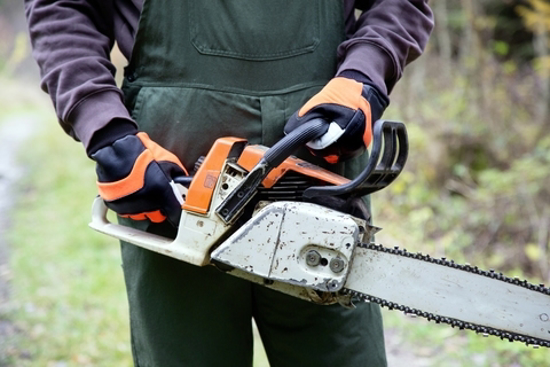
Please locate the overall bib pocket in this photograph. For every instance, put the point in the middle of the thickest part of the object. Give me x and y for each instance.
(255, 34)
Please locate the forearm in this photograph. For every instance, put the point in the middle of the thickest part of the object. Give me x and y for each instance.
(71, 42)
(387, 36)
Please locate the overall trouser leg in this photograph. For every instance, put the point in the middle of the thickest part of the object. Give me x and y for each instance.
(217, 68)
(184, 315)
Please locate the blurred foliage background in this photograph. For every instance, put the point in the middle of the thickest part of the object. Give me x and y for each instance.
(477, 105)
(476, 189)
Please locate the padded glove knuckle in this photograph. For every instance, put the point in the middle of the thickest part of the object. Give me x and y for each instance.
(134, 175)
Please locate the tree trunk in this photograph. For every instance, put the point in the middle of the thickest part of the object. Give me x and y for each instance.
(442, 35)
(541, 46)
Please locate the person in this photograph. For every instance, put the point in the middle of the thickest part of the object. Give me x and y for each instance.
(199, 70)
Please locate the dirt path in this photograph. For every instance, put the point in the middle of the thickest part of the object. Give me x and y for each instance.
(15, 129)
(13, 133)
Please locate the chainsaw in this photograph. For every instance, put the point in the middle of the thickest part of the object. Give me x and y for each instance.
(261, 214)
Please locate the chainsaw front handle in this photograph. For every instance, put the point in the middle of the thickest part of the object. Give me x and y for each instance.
(190, 245)
(141, 238)
(294, 140)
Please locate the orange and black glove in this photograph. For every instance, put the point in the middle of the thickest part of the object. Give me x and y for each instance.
(135, 179)
(350, 108)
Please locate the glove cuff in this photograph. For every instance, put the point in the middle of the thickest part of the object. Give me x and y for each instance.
(362, 78)
(377, 101)
(113, 131)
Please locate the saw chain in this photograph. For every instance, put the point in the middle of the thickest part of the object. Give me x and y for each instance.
(479, 329)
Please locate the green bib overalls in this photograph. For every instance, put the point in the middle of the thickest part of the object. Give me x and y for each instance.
(205, 69)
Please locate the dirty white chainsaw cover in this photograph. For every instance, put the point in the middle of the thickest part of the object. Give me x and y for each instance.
(298, 243)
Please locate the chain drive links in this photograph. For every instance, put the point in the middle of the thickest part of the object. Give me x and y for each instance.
(484, 330)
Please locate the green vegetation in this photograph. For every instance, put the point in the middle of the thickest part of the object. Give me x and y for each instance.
(476, 189)
(476, 186)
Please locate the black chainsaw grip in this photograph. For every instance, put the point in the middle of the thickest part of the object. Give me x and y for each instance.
(294, 140)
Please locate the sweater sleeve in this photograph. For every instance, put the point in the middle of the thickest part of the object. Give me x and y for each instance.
(71, 41)
(387, 36)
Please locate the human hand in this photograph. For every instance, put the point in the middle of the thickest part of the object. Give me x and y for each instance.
(350, 108)
(135, 179)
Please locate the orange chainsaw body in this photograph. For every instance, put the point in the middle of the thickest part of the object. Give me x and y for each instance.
(201, 189)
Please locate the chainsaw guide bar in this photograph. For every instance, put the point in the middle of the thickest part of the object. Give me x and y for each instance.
(544, 317)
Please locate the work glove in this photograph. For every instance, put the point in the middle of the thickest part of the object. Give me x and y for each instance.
(349, 108)
(135, 179)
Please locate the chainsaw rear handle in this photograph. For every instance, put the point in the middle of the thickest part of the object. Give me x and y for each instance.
(388, 155)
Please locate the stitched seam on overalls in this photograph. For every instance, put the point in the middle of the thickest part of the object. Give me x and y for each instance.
(136, 111)
(168, 84)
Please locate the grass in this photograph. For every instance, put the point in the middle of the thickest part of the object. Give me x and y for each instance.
(68, 300)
